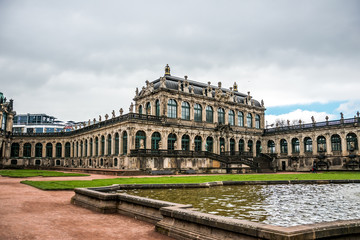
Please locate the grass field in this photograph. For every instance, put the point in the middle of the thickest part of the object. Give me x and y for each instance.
(20, 173)
(68, 185)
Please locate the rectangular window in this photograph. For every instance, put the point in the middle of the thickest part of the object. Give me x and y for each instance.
(39, 130)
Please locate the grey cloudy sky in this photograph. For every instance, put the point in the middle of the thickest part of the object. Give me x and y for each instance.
(76, 60)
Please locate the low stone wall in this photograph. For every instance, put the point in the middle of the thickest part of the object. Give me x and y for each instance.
(182, 222)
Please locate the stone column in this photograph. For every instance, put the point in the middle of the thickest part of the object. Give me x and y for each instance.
(148, 140)
(314, 143)
(328, 144)
(253, 120)
(191, 111)
(113, 144)
(344, 151)
(53, 155)
(289, 143)
(245, 118)
(105, 153)
(237, 144)
(62, 149)
(215, 114)
(277, 146)
(178, 115)
(226, 112)
(33, 149)
(301, 145)
(21, 150)
(1, 117)
(9, 122)
(203, 117)
(7, 148)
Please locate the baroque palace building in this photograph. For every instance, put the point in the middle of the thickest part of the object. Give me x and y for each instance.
(182, 126)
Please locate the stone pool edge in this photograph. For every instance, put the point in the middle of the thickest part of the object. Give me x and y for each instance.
(180, 221)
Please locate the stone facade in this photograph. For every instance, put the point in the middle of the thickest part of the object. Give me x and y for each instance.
(179, 124)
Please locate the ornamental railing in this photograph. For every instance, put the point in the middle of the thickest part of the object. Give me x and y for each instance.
(348, 121)
(123, 118)
(224, 157)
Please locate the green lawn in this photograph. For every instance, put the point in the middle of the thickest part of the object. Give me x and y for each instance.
(67, 185)
(20, 173)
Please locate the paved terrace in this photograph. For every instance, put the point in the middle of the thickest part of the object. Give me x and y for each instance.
(30, 213)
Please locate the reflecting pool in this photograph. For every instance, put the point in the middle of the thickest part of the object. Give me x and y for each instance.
(282, 205)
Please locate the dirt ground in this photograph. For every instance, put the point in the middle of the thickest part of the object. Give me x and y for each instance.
(30, 213)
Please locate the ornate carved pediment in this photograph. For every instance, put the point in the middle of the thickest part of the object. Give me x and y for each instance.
(223, 128)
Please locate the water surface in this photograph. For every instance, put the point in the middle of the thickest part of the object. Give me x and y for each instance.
(282, 205)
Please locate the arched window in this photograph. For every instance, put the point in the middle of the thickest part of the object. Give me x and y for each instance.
(250, 146)
(38, 150)
(109, 145)
(91, 147)
(27, 150)
(157, 108)
(335, 143)
(96, 146)
(148, 108)
(249, 120)
(140, 140)
(232, 146)
(321, 144)
(308, 144)
(197, 112)
(231, 118)
(221, 116)
(240, 119)
(185, 111)
(140, 109)
(172, 108)
(49, 150)
(185, 146)
(58, 150)
(90, 162)
(81, 148)
(115, 162)
(209, 114)
(257, 121)
(295, 145)
(222, 145)
(117, 143)
(209, 144)
(86, 148)
(15, 147)
(241, 145)
(283, 146)
(102, 146)
(155, 139)
(67, 149)
(198, 142)
(271, 146)
(171, 141)
(258, 148)
(351, 142)
(124, 143)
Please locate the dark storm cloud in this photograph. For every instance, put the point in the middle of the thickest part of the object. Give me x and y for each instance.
(87, 57)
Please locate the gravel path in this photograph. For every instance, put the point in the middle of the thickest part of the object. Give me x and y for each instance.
(30, 213)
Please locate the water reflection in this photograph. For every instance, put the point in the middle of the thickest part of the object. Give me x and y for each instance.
(283, 205)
